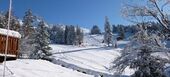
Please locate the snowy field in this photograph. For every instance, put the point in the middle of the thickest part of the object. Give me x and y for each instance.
(38, 68)
(95, 58)
(92, 56)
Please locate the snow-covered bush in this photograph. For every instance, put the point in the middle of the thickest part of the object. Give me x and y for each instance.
(137, 55)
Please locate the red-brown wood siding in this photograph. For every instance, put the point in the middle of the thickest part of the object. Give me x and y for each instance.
(12, 45)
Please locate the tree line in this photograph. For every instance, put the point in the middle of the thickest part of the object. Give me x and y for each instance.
(37, 34)
(66, 34)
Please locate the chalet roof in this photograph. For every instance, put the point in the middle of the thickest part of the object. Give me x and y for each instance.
(10, 33)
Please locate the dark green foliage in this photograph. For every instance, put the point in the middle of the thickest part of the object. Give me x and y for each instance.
(121, 32)
(114, 30)
(79, 36)
(56, 34)
(95, 30)
(66, 35)
(71, 35)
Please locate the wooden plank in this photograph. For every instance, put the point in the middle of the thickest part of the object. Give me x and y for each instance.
(13, 46)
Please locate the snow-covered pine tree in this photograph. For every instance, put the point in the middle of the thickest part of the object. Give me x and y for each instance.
(2, 20)
(41, 42)
(108, 32)
(71, 35)
(27, 31)
(27, 27)
(14, 24)
(80, 33)
(79, 36)
(138, 55)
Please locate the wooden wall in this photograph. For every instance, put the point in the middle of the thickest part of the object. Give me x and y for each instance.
(12, 45)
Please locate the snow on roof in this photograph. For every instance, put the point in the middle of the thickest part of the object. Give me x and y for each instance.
(10, 33)
(8, 55)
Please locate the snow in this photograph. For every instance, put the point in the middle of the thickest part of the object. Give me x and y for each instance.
(123, 42)
(38, 68)
(93, 40)
(10, 33)
(20, 22)
(165, 55)
(91, 56)
(8, 55)
(85, 30)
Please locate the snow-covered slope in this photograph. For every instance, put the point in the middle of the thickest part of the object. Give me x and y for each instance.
(85, 30)
(93, 58)
(93, 40)
(38, 68)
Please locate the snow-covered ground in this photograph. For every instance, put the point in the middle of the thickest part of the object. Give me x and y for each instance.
(93, 56)
(38, 68)
(93, 40)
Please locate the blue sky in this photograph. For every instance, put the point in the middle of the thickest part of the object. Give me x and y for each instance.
(85, 13)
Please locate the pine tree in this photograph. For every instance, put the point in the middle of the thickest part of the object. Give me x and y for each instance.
(95, 30)
(121, 32)
(56, 33)
(71, 35)
(27, 27)
(41, 42)
(59, 37)
(79, 36)
(108, 32)
(27, 31)
(138, 55)
(114, 30)
(66, 34)
(2, 20)
(14, 24)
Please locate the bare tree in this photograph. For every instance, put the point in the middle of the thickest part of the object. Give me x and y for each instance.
(148, 10)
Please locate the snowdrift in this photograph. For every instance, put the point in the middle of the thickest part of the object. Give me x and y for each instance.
(38, 68)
